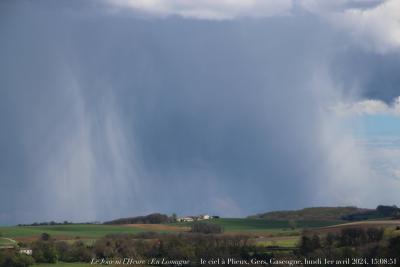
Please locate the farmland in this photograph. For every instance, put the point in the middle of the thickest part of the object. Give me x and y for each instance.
(6, 242)
(250, 225)
(281, 237)
(270, 232)
(88, 231)
(66, 231)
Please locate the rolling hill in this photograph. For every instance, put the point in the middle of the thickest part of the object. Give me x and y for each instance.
(315, 213)
(332, 213)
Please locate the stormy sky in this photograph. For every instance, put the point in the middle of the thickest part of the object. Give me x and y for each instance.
(119, 108)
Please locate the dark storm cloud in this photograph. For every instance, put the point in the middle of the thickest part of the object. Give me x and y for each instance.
(110, 115)
(374, 75)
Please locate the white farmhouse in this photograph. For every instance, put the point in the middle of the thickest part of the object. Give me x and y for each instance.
(185, 219)
(26, 251)
(204, 217)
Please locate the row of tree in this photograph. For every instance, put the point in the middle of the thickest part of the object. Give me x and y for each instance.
(350, 243)
(382, 211)
(55, 223)
(11, 258)
(183, 246)
(154, 218)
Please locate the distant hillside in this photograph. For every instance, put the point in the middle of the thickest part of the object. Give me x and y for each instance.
(316, 213)
(380, 212)
(151, 218)
(332, 213)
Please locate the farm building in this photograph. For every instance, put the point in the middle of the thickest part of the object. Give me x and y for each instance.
(26, 251)
(204, 217)
(185, 219)
(194, 218)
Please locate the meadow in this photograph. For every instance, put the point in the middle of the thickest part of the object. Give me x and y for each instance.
(6, 241)
(67, 231)
(94, 231)
(250, 225)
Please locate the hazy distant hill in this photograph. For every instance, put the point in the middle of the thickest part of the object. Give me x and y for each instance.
(381, 211)
(316, 213)
(332, 213)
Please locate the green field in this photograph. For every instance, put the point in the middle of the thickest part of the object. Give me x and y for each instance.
(292, 241)
(91, 231)
(259, 225)
(6, 242)
(75, 230)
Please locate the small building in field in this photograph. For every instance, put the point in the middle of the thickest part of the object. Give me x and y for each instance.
(185, 219)
(26, 251)
(204, 217)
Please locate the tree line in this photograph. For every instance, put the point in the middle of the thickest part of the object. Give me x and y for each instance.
(154, 218)
(350, 243)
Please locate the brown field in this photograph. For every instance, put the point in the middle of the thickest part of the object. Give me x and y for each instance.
(159, 227)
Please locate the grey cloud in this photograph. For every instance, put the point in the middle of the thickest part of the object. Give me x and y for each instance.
(368, 75)
(110, 115)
